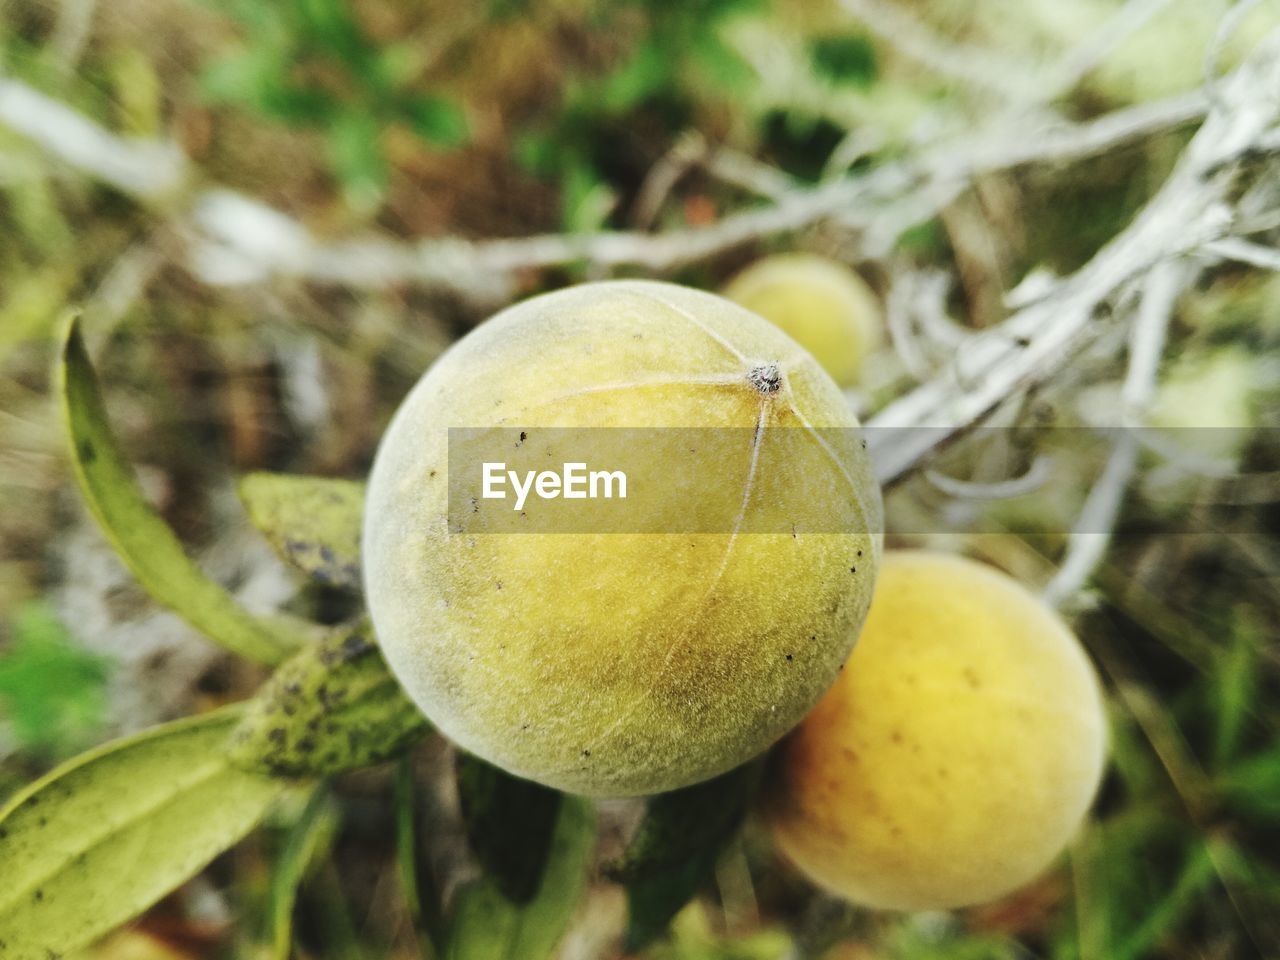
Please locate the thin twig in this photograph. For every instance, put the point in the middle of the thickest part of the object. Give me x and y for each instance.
(144, 168)
(1039, 339)
(1242, 251)
(1093, 529)
(239, 240)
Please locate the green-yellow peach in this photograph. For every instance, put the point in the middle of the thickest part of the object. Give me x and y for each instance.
(620, 663)
(956, 755)
(824, 305)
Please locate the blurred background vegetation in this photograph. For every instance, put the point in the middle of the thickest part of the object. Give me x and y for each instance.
(505, 118)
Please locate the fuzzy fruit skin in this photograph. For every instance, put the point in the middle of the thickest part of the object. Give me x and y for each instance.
(956, 755)
(619, 664)
(826, 307)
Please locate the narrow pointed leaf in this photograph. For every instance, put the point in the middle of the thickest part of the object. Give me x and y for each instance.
(676, 847)
(144, 541)
(311, 838)
(510, 823)
(417, 878)
(104, 837)
(487, 926)
(313, 523)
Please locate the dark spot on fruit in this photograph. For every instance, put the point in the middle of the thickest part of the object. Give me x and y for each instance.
(972, 679)
(39, 896)
(789, 658)
(87, 453)
(896, 736)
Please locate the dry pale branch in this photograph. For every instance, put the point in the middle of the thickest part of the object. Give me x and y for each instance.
(147, 169)
(883, 202)
(1191, 211)
(234, 239)
(1092, 534)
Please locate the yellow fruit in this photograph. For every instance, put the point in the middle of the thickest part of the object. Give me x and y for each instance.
(616, 664)
(956, 755)
(825, 306)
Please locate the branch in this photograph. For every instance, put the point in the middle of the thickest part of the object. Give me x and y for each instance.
(146, 169)
(234, 239)
(1189, 212)
(1093, 529)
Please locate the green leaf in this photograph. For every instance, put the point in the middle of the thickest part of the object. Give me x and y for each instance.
(334, 707)
(1236, 682)
(355, 153)
(314, 523)
(330, 26)
(538, 151)
(310, 839)
(1252, 786)
(487, 926)
(51, 692)
(676, 847)
(256, 80)
(1164, 917)
(144, 541)
(844, 58)
(509, 825)
(722, 64)
(437, 121)
(104, 837)
(416, 877)
(245, 77)
(642, 75)
(586, 200)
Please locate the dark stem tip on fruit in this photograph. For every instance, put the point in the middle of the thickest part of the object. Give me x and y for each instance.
(765, 377)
